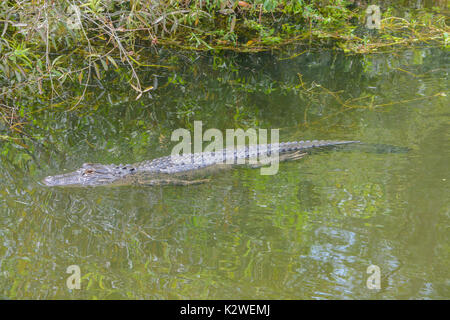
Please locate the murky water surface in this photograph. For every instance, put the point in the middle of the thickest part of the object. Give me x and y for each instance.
(309, 232)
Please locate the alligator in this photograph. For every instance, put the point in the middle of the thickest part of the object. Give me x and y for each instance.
(183, 169)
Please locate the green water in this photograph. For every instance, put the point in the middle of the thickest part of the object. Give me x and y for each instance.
(309, 232)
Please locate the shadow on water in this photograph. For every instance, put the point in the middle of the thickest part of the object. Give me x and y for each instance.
(379, 148)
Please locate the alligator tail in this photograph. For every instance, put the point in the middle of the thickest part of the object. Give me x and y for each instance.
(303, 145)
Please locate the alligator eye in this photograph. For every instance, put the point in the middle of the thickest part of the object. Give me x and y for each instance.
(88, 171)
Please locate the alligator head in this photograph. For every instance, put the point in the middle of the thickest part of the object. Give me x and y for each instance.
(91, 174)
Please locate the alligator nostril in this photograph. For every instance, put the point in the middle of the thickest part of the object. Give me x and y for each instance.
(47, 180)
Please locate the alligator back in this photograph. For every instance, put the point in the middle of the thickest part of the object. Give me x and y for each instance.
(195, 161)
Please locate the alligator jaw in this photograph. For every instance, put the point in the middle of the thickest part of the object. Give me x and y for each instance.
(90, 174)
(63, 179)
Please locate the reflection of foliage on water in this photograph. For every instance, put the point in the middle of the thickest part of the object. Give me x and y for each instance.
(241, 94)
(309, 231)
(43, 58)
(142, 243)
